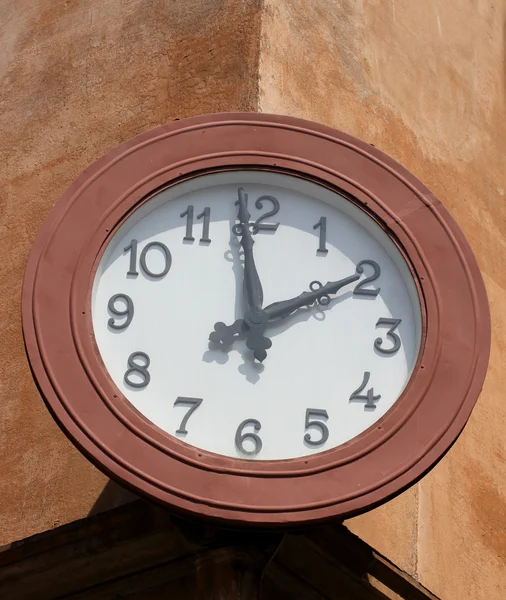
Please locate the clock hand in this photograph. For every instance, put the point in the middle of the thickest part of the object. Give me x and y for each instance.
(225, 334)
(255, 319)
(319, 293)
(253, 292)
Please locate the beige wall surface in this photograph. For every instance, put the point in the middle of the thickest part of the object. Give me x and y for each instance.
(426, 83)
(423, 81)
(77, 77)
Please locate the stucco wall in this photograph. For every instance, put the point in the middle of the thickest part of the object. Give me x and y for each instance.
(423, 81)
(426, 83)
(77, 77)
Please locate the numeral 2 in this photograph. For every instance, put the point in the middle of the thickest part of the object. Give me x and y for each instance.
(360, 290)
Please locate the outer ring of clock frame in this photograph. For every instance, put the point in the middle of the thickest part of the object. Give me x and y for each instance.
(364, 472)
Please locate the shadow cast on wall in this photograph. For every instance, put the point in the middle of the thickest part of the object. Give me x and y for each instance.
(112, 496)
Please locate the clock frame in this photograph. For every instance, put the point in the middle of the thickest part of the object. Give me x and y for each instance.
(369, 469)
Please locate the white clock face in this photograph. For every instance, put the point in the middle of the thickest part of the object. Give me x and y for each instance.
(182, 269)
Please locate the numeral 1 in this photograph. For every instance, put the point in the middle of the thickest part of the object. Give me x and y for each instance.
(133, 258)
(188, 213)
(322, 224)
(206, 214)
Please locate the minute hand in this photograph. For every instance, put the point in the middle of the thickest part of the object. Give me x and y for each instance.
(252, 287)
(279, 310)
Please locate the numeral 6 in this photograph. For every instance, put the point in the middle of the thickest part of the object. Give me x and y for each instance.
(240, 437)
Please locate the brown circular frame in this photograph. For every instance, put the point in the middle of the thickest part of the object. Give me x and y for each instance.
(376, 465)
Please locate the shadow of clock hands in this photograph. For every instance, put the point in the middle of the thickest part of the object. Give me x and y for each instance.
(219, 353)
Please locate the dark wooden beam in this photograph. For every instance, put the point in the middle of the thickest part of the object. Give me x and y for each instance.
(138, 551)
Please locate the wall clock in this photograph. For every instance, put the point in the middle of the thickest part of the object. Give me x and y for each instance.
(256, 319)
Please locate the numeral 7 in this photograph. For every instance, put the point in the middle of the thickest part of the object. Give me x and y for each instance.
(193, 403)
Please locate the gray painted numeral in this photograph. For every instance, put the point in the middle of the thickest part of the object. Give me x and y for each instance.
(241, 437)
(140, 368)
(396, 340)
(193, 403)
(322, 225)
(132, 248)
(368, 397)
(128, 312)
(259, 225)
(360, 290)
(188, 213)
(206, 215)
(316, 413)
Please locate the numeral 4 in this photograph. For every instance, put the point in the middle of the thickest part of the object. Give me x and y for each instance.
(368, 397)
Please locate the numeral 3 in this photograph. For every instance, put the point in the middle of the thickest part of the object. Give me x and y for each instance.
(378, 342)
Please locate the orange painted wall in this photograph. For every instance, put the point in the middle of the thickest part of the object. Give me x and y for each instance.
(423, 81)
(426, 83)
(77, 77)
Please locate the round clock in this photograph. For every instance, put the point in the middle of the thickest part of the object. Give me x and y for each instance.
(256, 319)
(256, 315)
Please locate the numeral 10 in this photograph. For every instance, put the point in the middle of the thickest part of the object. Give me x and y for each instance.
(132, 248)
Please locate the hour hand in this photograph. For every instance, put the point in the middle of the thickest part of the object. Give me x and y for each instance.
(226, 334)
(319, 293)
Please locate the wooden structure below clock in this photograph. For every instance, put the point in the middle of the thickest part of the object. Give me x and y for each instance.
(372, 467)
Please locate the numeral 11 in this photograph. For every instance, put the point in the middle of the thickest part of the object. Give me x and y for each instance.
(206, 214)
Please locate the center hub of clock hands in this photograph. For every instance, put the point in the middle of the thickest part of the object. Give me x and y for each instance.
(256, 318)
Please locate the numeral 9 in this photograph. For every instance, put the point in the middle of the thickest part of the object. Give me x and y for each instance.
(128, 312)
